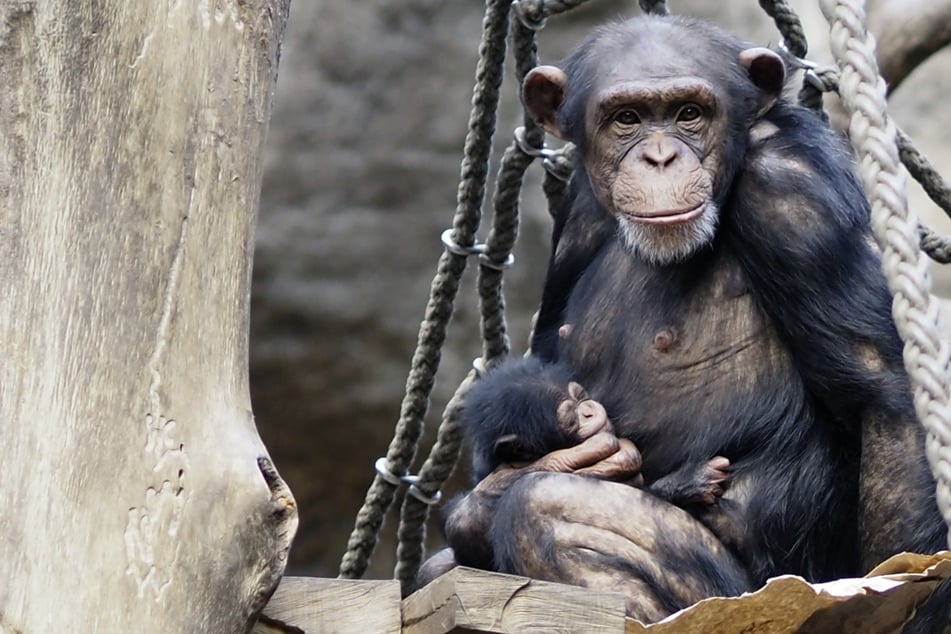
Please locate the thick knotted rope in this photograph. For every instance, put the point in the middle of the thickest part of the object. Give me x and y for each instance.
(444, 288)
(445, 452)
(895, 227)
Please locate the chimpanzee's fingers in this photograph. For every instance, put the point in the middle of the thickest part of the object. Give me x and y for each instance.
(588, 453)
(592, 418)
(623, 464)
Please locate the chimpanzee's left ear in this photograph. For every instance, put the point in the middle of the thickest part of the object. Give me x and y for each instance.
(767, 71)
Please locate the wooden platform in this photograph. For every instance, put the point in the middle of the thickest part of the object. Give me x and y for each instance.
(462, 600)
(468, 600)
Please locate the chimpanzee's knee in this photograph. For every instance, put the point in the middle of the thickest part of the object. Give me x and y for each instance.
(605, 535)
(522, 535)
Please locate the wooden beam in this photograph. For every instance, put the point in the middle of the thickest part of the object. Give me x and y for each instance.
(469, 600)
(310, 605)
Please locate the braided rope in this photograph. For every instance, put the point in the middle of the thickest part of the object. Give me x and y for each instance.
(794, 39)
(445, 286)
(895, 227)
(788, 24)
(936, 246)
(434, 472)
(558, 171)
(445, 452)
(534, 13)
(924, 172)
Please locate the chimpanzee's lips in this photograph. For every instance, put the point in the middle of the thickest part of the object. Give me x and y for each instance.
(667, 217)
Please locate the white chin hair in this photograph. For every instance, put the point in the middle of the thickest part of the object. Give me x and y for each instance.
(668, 244)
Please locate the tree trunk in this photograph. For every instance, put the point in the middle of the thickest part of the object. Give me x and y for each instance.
(136, 493)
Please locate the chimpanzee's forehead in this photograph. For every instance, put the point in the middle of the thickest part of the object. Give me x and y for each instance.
(646, 49)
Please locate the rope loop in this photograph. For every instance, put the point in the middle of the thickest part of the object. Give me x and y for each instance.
(473, 173)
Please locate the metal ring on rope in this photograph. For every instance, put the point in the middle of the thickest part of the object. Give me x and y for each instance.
(480, 249)
(478, 364)
(809, 68)
(382, 467)
(531, 150)
(550, 157)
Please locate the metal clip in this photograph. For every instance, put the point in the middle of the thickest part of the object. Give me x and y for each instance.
(383, 469)
(537, 152)
(478, 249)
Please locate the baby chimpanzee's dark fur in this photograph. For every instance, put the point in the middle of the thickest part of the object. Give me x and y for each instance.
(511, 414)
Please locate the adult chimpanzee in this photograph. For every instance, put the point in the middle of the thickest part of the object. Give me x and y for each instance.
(713, 265)
(527, 408)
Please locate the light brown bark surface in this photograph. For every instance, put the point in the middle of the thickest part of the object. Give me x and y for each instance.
(136, 495)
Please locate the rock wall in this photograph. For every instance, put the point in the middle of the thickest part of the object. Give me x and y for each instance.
(362, 166)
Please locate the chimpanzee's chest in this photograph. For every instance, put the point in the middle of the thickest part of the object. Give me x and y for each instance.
(671, 350)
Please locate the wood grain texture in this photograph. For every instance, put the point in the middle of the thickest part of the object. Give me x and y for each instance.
(312, 605)
(469, 600)
(137, 495)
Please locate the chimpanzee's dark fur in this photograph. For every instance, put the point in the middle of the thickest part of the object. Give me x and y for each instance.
(518, 402)
(785, 358)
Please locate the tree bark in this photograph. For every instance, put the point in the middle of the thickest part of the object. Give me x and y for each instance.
(136, 493)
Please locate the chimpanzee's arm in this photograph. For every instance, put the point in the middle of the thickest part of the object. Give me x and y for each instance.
(469, 518)
(801, 230)
(580, 231)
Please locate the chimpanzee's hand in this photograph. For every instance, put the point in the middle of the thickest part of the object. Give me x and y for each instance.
(469, 520)
(603, 456)
(580, 416)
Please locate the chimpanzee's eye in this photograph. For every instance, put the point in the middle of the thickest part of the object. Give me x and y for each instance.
(627, 117)
(688, 113)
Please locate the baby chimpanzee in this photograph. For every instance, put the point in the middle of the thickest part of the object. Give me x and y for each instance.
(524, 409)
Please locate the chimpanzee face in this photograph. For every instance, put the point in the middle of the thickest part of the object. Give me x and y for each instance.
(656, 135)
(651, 159)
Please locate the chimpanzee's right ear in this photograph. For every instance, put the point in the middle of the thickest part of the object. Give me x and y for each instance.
(542, 93)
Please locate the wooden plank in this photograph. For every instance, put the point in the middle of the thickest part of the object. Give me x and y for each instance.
(469, 600)
(312, 605)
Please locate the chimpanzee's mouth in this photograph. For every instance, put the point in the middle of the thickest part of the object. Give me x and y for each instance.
(668, 217)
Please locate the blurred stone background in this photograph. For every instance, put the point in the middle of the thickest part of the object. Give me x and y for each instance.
(361, 172)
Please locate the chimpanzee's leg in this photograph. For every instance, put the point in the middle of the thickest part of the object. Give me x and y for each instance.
(605, 535)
